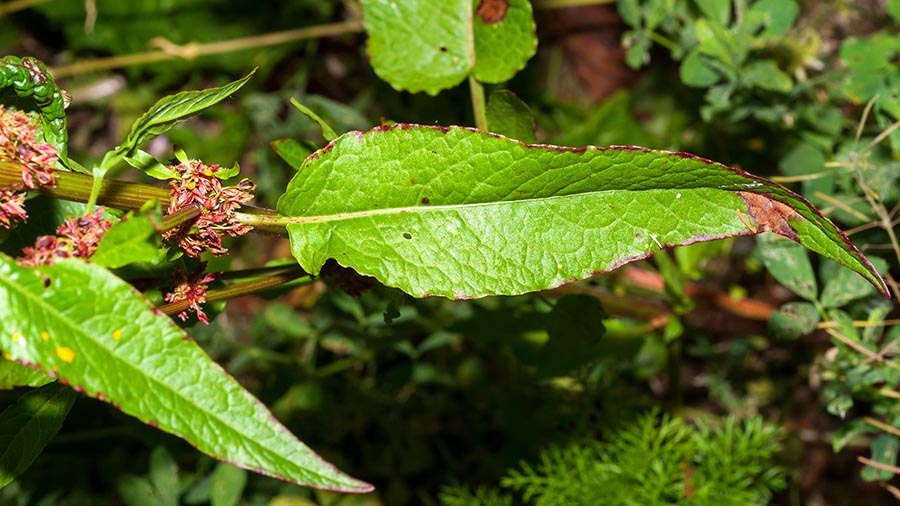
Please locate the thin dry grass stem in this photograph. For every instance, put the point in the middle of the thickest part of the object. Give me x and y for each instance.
(841, 205)
(18, 5)
(878, 424)
(894, 491)
(882, 353)
(860, 324)
(170, 51)
(802, 177)
(559, 4)
(862, 349)
(861, 228)
(863, 120)
(883, 135)
(884, 218)
(878, 465)
(893, 394)
(892, 283)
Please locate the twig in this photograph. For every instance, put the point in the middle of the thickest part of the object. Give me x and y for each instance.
(879, 465)
(559, 4)
(479, 107)
(881, 425)
(860, 348)
(18, 5)
(841, 205)
(171, 51)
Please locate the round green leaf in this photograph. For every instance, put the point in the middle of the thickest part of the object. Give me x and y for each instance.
(505, 38)
(420, 45)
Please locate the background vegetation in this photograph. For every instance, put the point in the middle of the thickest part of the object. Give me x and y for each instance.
(728, 366)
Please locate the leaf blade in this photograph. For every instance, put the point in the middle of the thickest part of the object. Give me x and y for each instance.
(27, 426)
(506, 214)
(173, 109)
(435, 36)
(93, 330)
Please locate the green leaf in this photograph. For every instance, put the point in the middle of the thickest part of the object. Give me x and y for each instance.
(133, 239)
(779, 16)
(137, 491)
(794, 319)
(575, 327)
(327, 132)
(227, 485)
(841, 288)
(146, 163)
(788, 263)
(462, 213)
(505, 38)
(13, 375)
(718, 10)
(92, 329)
(27, 426)
(164, 475)
(630, 12)
(173, 109)
(694, 71)
(766, 75)
(893, 8)
(884, 451)
(508, 115)
(422, 45)
(26, 85)
(292, 151)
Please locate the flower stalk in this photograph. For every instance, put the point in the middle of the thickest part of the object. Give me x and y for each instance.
(282, 276)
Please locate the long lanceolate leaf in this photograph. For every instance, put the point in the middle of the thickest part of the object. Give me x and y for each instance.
(462, 213)
(78, 321)
(171, 110)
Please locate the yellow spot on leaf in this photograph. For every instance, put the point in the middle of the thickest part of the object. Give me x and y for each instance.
(17, 337)
(7, 356)
(45, 336)
(65, 354)
(117, 334)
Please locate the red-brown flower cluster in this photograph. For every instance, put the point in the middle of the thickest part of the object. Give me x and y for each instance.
(192, 289)
(19, 145)
(78, 237)
(12, 208)
(201, 185)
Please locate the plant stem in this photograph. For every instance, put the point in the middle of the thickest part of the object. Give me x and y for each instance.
(178, 217)
(478, 103)
(124, 195)
(192, 50)
(77, 187)
(18, 5)
(258, 271)
(559, 4)
(239, 289)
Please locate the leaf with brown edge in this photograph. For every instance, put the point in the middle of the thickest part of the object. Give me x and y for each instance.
(463, 213)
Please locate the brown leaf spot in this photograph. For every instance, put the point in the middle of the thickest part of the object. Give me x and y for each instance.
(492, 11)
(770, 214)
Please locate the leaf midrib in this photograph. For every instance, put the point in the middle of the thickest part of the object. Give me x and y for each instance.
(425, 208)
